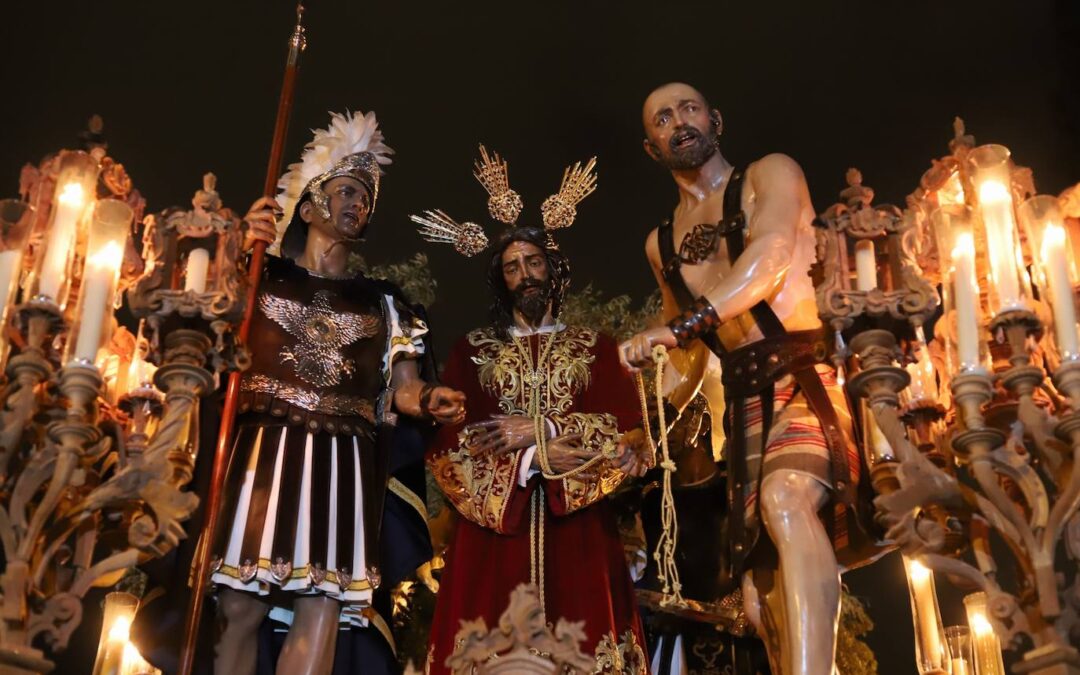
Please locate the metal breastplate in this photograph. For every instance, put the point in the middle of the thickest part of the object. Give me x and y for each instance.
(317, 345)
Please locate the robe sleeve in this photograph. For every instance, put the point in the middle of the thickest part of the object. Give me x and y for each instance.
(606, 409)
(483, 489)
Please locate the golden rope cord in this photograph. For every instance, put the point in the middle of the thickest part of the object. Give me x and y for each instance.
(669, 534)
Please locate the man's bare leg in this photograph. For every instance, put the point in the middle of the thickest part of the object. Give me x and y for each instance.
(309, 648)
(809, 573)
(234, 653)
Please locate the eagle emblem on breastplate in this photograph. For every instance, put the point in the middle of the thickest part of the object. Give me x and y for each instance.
(321, 334)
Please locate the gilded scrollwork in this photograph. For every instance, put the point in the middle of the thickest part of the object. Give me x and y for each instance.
(524, 642)
(622, 656)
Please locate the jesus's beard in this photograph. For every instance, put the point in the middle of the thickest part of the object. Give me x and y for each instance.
(532, 306)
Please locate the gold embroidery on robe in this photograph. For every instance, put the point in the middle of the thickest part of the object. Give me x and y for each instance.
(478, 487)
(599, 433)
(504, 372)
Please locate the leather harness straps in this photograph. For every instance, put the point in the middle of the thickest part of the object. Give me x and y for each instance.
(732, 227)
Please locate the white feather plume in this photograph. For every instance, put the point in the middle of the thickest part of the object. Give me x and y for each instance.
(347, 134)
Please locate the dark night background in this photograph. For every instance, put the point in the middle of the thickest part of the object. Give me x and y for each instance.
(191, 87)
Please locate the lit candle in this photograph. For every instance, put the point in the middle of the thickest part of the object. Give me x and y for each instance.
(198, 265)
(984, 642)
(10, 266)
(135, 664)
(69, 209)
(1061, 292)
(966, 297)
(865, 265)
(958, 641)
(112, 660)
(995, 202)
(99, 280)
(927, 621)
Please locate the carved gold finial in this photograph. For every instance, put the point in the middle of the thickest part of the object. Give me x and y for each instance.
(856, 194)
(207, 199)
(961, 139)
(560, 209)
(298, 39)
(504, 204)
(467, 238)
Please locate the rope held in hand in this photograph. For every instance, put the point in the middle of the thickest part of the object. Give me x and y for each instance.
(669, 533)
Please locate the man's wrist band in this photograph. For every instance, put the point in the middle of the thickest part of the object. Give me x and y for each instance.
(699, 320)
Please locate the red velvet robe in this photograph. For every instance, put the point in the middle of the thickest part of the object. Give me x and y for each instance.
(585, 578)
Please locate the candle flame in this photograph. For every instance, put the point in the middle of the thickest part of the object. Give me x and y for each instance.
(965, 245)
(991, 191)
(1053, 237)
(72, 194)
(919, 572)
(120, 630)
(108, 256)
(980, 625)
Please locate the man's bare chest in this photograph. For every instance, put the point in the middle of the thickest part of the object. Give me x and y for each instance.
(700, 242)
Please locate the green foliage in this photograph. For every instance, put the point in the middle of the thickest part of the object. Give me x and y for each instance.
(412, 276)
(853, 656)
(615, 317)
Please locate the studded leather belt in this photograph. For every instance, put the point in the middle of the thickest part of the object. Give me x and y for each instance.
(749, 370)
(335, 413)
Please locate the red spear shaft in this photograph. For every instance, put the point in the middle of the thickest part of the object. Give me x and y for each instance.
(297, 42)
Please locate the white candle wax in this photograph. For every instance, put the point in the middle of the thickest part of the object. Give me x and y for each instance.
(865, 265)
(922, 592)
(198, 265)
(966, 296)
(10, 266)
(995, 203)
(69, 209)
(1061, 291)
(98, 281)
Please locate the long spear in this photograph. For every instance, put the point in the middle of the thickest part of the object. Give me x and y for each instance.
(297, 42)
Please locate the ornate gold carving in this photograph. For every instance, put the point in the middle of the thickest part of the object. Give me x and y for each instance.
(912, 297)
(505, 372)
(523, 642)
(625, 656)
(321, 332)
(327, 404)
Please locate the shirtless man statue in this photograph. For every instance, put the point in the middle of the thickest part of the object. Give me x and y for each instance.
(733, 268)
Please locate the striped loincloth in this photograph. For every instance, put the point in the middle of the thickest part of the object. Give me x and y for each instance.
(795, 441)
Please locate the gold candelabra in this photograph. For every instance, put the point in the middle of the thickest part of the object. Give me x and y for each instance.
(98, 433)
(973, 437)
